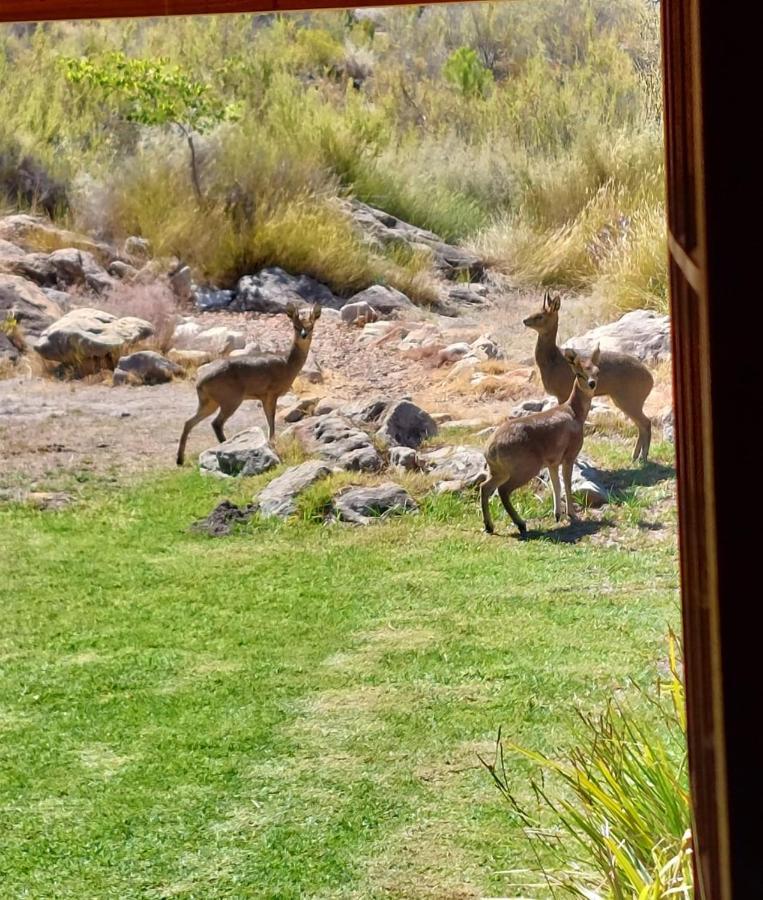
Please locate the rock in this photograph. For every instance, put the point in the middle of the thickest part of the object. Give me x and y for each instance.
(467, 295)
(358, 313)
(403, 458)
(362, 505)
(467, 365)
(460, 467)
(375, 332)
(406, 425)
(219, 340)
(122, 270)
(74, 266)
(668, 427)
(486, 348)
(326, 405)
(528, 407)
(247, 350)
(336, 439)
(223, 517)
(246, 453)
(366, 411)
(382, 229)
(586, 484)
(454, 353)
(181, 283)
(86, 333)
(190, 358)
(27, 304)
(387, 301)
(270, 290)
(423, 343)
(32, 232)
(279, 498)
(642, 333)
(9, 352)
(312, 370)
(465, 424)
(331, 315)
(298, 412)
(210, 299)
(145, 367)
(138, 248)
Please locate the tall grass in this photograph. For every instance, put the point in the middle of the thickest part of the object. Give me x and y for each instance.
(552, 168)
(612, 815)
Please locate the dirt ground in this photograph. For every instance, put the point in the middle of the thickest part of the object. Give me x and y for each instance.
(53, 433)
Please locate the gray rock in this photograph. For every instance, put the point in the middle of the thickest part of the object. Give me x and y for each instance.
(181, 283)
(246, 453)
(668, 427)
(87, 333)
(138, 248)
(642, 333)
(279, 498)
(218, 340)
(73, 266)
(312, 370)
(358, 312)
(461, 467)
(386, 301)
(528, 407)
(406, 425)
(145, 367)
(210, 299)
(366, 411)
(404, 458)
(9, 352)
(122, 270)
(586, 484)
(27, 304)
(336, 439)
(362, 505)
(300, 410)
(223, 517)
(270, 290)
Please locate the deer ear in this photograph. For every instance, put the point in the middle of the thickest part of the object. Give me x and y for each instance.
(546, 297)
(316, 311)
(555, 302)
(596, 355)
(570, 355)
(291, 310)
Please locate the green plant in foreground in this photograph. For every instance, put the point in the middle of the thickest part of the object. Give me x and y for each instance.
(621, 813)
(152, 92)
(464, 70)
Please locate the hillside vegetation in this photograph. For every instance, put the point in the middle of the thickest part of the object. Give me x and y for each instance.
(528, 132)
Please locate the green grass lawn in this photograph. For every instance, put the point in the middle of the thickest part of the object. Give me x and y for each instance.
(295, 710)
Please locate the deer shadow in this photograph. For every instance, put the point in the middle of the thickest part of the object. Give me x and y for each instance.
(618, 480)
(570, 533)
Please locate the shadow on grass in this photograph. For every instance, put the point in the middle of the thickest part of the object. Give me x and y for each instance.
(570, 533)
(637, 476)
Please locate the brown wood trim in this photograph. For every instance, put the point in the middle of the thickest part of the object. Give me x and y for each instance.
(48, 10)
(691, 271)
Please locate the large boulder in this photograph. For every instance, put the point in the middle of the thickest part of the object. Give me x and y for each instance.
(145, 367)
(271, 290)
(337, 440)
(586, 484)
(363, 505)
(642, 333)
(34, 232)
(358, 313)
(27, 304)
(406, 425)
(212, 299)
(279, 498)
(382, 230)
(74, 266)
(246, 453)
(386, 301)
(218, 340)
(91, 334)
(455, 468)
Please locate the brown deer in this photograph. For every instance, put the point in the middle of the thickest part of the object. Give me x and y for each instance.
(224, 384)
(521, 448)
(624, 378)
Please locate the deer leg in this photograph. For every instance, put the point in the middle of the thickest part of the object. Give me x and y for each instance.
(486, 492)
(570, 503)
(504, 492)
(644, 424)
(222, 417)
(206, 407)
(269, 406)
(553, 476)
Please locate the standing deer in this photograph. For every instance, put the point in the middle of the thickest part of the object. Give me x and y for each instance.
(226, 383)
(521, 448)
(624, 378)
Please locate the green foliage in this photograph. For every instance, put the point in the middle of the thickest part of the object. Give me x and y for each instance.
(613, 816)
(464, 70)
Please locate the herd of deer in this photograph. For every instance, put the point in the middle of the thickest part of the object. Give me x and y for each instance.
(517, 451)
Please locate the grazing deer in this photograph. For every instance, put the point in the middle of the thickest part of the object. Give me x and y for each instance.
(226, 383)
(624, 378)
(520, 448)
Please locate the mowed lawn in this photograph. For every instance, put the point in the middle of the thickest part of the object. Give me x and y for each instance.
(295, 711)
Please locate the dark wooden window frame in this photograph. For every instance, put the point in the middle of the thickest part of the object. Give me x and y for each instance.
(710, 67)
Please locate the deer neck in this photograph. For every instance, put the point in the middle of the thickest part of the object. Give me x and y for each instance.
(579, 402)
(546, 350)
(298, 354)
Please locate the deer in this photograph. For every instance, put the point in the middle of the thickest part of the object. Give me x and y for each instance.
(521, 448)
(224, 384)
(625, 379)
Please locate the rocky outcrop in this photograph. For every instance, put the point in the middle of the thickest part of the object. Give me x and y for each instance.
(145, 367)
(642, 333)
(246, 453)
(280, 497)
(338, 441)
(406, 425)
(363, 505)
(217, 341)
(455, 468)
(387, 301)
(24, 302)
(91, 334)
(270, 290)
